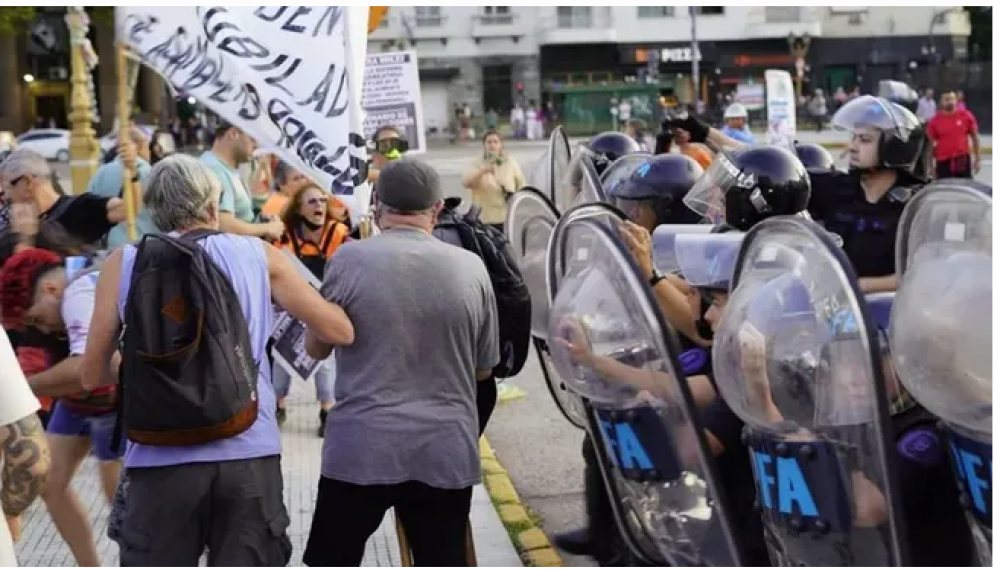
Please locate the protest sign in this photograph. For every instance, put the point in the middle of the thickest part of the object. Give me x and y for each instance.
(286, 75)
(781, 105)
(288, 337)
(392, 97)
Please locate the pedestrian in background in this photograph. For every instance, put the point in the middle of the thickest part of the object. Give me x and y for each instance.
(926, 107)
(492, 179)
(950, 131)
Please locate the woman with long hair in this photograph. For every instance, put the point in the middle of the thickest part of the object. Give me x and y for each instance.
(492, 179)
(312, 235)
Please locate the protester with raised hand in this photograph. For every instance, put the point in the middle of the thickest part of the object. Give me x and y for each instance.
(108, 182)
(492, 179)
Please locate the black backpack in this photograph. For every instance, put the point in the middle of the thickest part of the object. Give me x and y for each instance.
(513, 298)
(188, 376)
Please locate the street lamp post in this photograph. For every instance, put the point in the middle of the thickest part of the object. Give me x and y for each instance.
(83, 147)
(799, 46)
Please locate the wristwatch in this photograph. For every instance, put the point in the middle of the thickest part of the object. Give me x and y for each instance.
(656, 277)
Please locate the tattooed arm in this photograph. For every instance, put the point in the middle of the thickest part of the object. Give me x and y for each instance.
(26, 464)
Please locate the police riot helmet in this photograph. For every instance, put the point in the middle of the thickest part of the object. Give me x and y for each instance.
(899, 93)
(658, 186)
(745, 187)
(608, 147)
(814, 156)
(901, 140)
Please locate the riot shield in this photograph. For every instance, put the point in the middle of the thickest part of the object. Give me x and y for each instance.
(622, 169)
(940, 336)
(951, 214)
(611, 345)
(555, 260)
(797, 357)
(531, 218)
(552, 165)
(580, 182)
(663, 243)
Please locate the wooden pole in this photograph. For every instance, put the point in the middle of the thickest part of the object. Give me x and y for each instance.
(84, 150)
(406, 554)
(124, 124)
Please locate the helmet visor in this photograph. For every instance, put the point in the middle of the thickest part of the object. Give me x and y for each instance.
(708, 260)
(875, 113)
(708, 195)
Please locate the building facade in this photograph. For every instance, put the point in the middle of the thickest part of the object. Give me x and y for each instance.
(485, 57)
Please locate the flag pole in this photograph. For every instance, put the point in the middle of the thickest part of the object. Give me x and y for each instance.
(124, 124)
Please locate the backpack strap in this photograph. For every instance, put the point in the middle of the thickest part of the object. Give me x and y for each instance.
(199, 234)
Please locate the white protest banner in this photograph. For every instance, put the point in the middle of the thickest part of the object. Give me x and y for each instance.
(286, 75)
(392, 96)
(781, 106)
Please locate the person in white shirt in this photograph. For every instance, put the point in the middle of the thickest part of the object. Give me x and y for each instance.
(926, 107)
(24, 451)
(624, 113)
(517, 121)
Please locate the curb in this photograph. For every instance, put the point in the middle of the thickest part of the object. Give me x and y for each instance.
(529, 540)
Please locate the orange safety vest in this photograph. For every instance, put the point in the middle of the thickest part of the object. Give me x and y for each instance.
(314, 255)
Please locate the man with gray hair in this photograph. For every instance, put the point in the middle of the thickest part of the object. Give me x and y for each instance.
(109, 181)
(42, 216)
(225, 495)
(405, 429)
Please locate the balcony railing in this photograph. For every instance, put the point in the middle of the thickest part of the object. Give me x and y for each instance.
(495, 19)
(783, 14)
(429, 20)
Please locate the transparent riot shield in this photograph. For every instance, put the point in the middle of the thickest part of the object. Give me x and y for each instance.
(622, 169)
(580, 182)
(531, 218)
(950, 214)
(797, 357)
(550, 168)
(555, 259)
(664, 239)
(611, 346)
(941, 333)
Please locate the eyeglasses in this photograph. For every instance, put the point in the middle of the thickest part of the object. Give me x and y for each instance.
(316, 201)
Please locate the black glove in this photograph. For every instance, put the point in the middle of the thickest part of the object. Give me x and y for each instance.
(693, 125)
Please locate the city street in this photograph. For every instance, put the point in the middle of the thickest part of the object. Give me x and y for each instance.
(531, 439)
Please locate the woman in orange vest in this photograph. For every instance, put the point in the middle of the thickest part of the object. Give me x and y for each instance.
(312, 235)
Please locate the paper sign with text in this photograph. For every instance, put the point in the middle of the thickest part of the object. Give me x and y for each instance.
(392, 96)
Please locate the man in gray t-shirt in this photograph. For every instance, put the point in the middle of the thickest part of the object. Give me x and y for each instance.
(405, 429)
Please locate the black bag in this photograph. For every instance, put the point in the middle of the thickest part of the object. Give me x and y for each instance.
(187, 375)
(513, 298)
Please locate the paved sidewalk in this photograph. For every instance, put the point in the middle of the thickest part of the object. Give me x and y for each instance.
(41, 545)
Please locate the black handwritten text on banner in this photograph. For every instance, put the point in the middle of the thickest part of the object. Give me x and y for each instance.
(279, 73)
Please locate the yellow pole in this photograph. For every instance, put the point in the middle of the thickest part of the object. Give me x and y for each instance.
(83, 148)
(124, 124)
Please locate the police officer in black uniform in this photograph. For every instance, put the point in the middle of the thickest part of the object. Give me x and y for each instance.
(863, 205)
(650, 197)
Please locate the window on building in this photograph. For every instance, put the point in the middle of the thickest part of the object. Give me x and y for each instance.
(574, 17)
(497, 15)
(655, 11)
(710, 10)
(428, 16)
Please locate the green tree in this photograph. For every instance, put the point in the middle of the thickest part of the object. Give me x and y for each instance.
(981, 37)
(14, 19)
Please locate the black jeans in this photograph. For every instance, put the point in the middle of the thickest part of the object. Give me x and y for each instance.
(957, 167)
(346, 515)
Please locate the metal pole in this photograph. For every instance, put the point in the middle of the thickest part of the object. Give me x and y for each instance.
(695, 71)
(83, 147)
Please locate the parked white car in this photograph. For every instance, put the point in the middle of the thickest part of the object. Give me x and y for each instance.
(53, 144)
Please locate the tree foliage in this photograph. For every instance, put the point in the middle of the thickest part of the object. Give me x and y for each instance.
(981, 18)
(14, 19)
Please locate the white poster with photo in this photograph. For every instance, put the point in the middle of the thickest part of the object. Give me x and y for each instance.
(392, 96)
(781, 107)
(288, 337)
(288, 76)
(750, 95)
